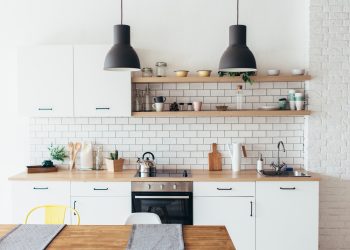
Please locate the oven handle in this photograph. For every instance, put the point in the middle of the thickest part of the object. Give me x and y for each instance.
(162, 197)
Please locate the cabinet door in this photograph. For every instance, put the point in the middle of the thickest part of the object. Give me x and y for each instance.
(27, 195)
(236, 213)
(46, 81)
(98, 92)
(102, 210)
(287, 215)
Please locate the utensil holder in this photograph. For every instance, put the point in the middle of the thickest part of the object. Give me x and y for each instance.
(115, 165)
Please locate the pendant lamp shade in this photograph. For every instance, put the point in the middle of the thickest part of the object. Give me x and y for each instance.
(122, 57)
(237, 57)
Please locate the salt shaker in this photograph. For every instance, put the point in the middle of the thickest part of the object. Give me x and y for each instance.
(189, 106)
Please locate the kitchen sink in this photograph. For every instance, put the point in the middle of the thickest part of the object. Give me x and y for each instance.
(294, 173)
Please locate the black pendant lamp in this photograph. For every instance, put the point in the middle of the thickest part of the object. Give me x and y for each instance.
(122, 57)
(237, 57)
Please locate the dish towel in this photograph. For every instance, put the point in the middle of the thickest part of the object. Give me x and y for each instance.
(30, 237)
(156, 237)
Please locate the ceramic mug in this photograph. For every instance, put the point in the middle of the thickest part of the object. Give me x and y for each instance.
(159, 106)
(292, 105)
(159, 99)
(299, 97)
(197, 106)
(299, 105)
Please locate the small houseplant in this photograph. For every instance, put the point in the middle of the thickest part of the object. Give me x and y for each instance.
(245, 75)
(114, 163)
(57, 154)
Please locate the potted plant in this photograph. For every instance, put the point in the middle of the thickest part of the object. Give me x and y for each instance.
(57, 154)
(245, 75)
(114, 163)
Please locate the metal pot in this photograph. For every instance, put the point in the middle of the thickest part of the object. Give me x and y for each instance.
(146, 164)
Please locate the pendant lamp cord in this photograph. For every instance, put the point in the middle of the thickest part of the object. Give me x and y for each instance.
(121, 11)
(237, 11)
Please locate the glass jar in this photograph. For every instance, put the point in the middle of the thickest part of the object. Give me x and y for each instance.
(161, 69)
(147, 72)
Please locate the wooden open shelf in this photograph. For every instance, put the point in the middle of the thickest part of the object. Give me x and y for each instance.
(222, 113)
(217, 79)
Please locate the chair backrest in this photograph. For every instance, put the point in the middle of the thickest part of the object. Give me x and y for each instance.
(143, 218)
(54, 214)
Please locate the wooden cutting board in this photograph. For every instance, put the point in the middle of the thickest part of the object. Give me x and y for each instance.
(214, 159)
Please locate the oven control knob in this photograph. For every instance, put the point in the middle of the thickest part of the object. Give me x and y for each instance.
(149, 186)
(174, 187)
(161, 187)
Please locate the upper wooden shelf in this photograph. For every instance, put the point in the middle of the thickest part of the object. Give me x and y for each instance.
(222, 113)
(215, 79)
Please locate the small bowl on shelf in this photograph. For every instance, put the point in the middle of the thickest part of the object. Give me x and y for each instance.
(298, 72)
(221, 108)
(204, 73)
(273, 72)
(181, 73)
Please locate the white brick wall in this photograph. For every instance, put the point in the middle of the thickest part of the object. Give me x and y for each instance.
(183, 142)
(328, 130)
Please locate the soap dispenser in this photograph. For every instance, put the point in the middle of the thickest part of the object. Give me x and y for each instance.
(259, 163)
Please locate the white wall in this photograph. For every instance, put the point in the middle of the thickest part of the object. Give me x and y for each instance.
(189, 34)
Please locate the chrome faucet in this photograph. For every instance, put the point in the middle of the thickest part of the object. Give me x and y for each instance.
(278, 167)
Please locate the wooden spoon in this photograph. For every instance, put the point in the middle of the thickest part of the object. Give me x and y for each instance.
(77, 147)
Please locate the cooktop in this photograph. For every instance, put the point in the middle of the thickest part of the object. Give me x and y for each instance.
(176, 173)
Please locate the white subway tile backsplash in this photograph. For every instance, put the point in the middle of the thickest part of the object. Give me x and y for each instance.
(183, 142)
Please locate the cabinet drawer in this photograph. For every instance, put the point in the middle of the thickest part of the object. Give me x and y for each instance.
(101, 188)
(288, 187)
(224, 189)
(40, 188)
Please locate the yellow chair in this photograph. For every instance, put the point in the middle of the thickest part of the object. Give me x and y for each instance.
(54, 214)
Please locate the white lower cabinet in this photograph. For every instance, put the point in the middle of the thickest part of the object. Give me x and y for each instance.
(226, 204)
(29, 194)
(101, 203)
(287, 215)
(101, 210)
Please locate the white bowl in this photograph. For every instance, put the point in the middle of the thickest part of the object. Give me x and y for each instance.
(273, 72)
(298, 72)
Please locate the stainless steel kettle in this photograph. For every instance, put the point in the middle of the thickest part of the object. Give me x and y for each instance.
(147, 165)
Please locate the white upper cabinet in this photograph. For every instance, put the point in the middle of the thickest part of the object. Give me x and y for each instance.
(98, 92)
(46, 81)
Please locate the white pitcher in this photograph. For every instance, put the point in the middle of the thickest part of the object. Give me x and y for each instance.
(235, 153)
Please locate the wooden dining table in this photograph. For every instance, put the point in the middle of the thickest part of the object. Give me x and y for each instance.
(116, 237)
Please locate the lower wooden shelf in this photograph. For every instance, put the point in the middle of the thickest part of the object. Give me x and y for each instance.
(223, 113)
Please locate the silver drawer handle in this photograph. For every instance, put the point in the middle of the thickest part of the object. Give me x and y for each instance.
(224, 189)
(100, 189)
(288, 188)
(40, 188)
(45, 109)
(162, 197)
(102, 108)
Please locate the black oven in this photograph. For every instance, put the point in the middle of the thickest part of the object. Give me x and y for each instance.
(171, 201)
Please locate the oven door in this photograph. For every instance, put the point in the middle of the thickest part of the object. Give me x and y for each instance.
(172, 207)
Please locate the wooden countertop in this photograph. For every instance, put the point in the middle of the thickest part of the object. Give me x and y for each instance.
(128, 175)
(116, 237)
